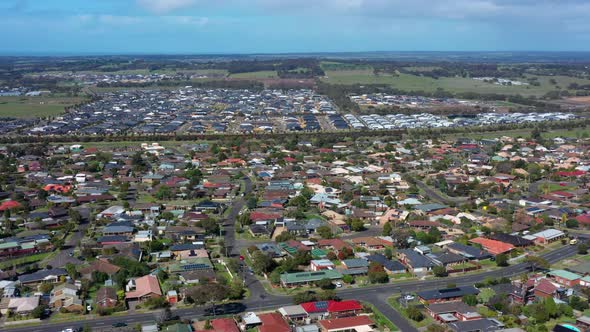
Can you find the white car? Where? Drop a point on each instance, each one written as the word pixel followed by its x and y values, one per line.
pixel 409 297
pixel 338 285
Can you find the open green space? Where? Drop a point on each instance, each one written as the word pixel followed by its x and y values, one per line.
pixel 34 107
pixel 380 319
pixel 409 82
pixel 393 301
pixel 256 74
pixel 475 134
pixel 23 260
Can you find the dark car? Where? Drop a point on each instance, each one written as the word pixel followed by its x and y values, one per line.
pixel 120 324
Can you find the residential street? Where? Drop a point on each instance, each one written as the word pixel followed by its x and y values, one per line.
pixel 377 295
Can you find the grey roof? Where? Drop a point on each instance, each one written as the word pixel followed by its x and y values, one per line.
pixel 355 263
pixel 389 265
pixel 469 251
pixel 445 257
pixel 415 259
pixel 40 275
pixel 430 207
pixel 480 325
pixel 447 293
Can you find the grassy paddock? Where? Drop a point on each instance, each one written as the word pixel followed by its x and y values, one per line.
pixel 410 82
pixel 256 74
pixel 35 107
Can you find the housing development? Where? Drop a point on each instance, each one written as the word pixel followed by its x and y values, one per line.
pixel 294 194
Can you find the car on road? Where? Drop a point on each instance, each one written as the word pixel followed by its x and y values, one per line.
pixel 119 324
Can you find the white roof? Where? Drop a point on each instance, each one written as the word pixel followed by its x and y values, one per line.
pixel 251 318
pixel 549 234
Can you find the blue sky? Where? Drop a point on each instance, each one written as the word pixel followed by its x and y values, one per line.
pixel 271 26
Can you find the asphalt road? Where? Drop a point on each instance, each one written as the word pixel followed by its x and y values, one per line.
pixel 377 295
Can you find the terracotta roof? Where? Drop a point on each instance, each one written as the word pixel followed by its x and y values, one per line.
pixel 101 266
pixel 337 244
pixel 347 305
pixel 8 205
pixel 546 286
pixel 144 286
pixel 224 325
pixel 492 246
pixel 343 323
pixel 273 322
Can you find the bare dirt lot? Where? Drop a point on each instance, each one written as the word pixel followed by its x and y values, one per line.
pixel 579 100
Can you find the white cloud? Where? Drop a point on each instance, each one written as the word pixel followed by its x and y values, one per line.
pixel 165 6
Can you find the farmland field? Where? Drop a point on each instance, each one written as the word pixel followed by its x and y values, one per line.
pixel 409 82
pixel 33 107
pixel 256 74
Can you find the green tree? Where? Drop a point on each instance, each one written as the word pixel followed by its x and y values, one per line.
pixel 39 311
pixel 387 229
pixel 325 283
pixel 440 271
pixel 261 263
pixel 414 313
pixel 325 232
pixel 71 270
pixel 502 260
pixel 577 303
pixel 571 223
pixel 537 262
pixel 582 249
pixel 357 225
pixel 377 273
pixel 306 296
pixel 470 299
pixel 347 279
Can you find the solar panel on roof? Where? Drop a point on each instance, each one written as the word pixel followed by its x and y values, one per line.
pixel 321 305
pixel 189 267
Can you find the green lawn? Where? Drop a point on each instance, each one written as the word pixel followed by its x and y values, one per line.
pixel 34 107
pixel 409 82
pixel 380 319
pixel 256 74
pixel 23 260
pixel 423 323
pixel 572 133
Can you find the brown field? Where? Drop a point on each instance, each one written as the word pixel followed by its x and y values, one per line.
pixel 579 100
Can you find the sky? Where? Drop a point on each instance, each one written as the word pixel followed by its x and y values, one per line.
pixel 291 26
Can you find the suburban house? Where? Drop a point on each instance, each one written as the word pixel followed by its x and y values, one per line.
pixel 106 297
pixel 65 296
pixel 356 323
pixel 143 288
pixel 492 246
pixel 446 294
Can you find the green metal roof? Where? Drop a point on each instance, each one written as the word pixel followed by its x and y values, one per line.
pixel 318 253
pixel 7 245
pixel 302 277
pixel 565 274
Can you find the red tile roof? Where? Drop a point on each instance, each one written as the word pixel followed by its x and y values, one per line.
pixel 273 322
pixel 9 205
pixel 347 305
pixel 145 285
pixel 224 325
pixel 583 219
pixel 570 174
pixel 331 306
pixel 344 323
pixel 337 244
pixel 492 246
pixel 545 286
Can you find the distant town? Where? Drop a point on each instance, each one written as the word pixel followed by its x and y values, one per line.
pixel 293 194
